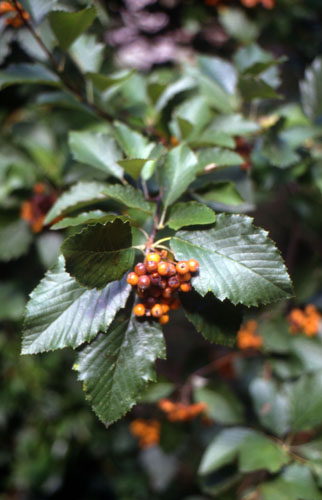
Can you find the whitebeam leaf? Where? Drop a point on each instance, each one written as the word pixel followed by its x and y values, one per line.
pixel 117 367
pixel 61 313
pixel 237 261
pixel 78 196
pixel 179 170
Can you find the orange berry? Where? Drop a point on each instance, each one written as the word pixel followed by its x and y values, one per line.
pixel 154 257
pixel 163 284
pixel 175 304
pixel 166 301
pixel 184 277
pixel 163 268
pixel 144 282
pixel 140 269
pixel 139 310
pixel 164 319
pixel 165 308
pixel 185 287
pixel 182 267
pixel 132 279
pixel 164 254
pixel 157 311
pixel 193 265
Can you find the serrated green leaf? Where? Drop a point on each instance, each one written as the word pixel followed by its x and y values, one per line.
pixel 171 90
pixel 78 196
pixel 103 82
pixel 220 71
pixel 116 367
pixel 220 192
pixel 311 90
pixel 129 196
pixel 96 149
pixel 295 482
pixel 179 170
pixel 234 124
pixel 84 218
pixel 216 321
pixel 61 313
pixel 68 26
pixel 255 88
pixel 192 115
pixel 12 301
pixel 253 60
pixel 260 452
pixel 308 351
pixel 157 391
pixel 223 449
pixel 28 73
pixel 88 53
pixel 135 166
pixel 238 25
pixel 222 405
pixel 189 214
pixel 218 157
pixel 134 144
pixel 215 95
pixel 212 138
pixel 237 261
pixel 99 254
pixel 15 239
pixel 306 403
pixel 271 405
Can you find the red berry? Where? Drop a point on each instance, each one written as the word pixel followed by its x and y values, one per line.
pixel 132 279
pixel 151 266
pixel 172 270
pixel 155 279
pixel 193 265
pixel 163 284
pixel 141 293
pixel 182 267
pixel 167 293
pixel 140 269
pixel 139 310
pixel 155 292
pixel 173 282
pixel 175 304
pixel 157 311
pixel 150 302
pixel 144 282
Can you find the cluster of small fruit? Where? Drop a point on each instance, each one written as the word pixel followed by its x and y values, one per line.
pixel 157 281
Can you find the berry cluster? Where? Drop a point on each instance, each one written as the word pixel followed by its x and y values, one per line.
pixel 158 280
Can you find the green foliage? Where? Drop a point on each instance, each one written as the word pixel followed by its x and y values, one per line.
pixel 72 315
pixel 123 162
pixel 100 253
pixel 68 26
pixel 234 247
pixel 116 368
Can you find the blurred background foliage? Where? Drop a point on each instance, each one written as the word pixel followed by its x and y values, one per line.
pixel 52 444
